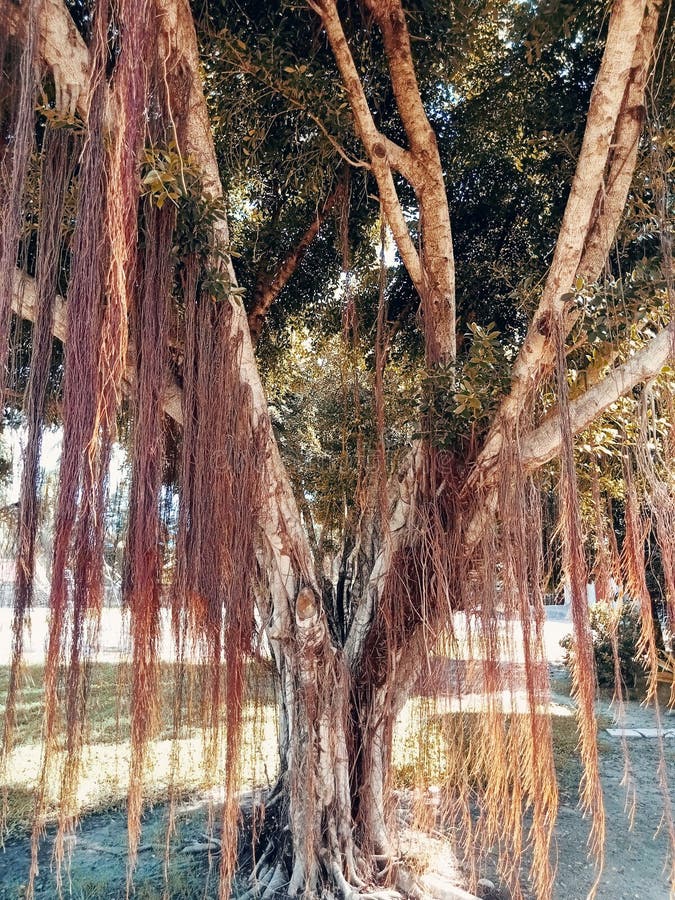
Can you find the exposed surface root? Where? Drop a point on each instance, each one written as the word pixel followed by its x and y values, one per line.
pixel 276 870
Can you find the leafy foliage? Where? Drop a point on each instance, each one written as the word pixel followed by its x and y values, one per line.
pixel 622 618
pixel 458 403
pixel 168 176
pixel 505 87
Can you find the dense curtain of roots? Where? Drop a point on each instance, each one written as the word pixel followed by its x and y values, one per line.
pixel 114 290
pixel 143 564
pixel 212 600
pixel 503 762
pixel 76 577
pixel 634 566
pixel 58 157
pixel 143 292
pixel 469 633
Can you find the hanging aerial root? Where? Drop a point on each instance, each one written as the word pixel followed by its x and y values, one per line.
pixel 58 158
pixel 78 544
pixel 510 747
pixel 633 559
pixel 583 662
pixel 17 145
pixel 137 85
pixel 143 560
pixel 608 580
pixel 212 590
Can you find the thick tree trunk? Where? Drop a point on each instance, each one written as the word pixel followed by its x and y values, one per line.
pixel 376 718
pixel 314 796
pixel 332 797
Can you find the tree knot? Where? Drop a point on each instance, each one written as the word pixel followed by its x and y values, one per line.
pixel 544 324
pixel 305 604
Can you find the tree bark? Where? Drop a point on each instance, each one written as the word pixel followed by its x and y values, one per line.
pixel 432 268
pixel 438 295
pixel 591 215
pixel 61 48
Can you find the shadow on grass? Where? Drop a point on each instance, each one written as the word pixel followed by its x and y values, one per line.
pixel 108 707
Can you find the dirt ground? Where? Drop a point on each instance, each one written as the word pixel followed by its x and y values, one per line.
pixel 636 859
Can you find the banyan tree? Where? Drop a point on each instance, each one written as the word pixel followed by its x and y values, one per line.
pixel 114 241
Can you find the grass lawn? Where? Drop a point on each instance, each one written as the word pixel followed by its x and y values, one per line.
pixel 107 752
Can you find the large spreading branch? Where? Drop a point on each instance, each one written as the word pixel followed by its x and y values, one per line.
pixel 597 198
pixel 431 268
pixel 24 305
pixel 611 201
pixel 544 443
pixel 427 179
pixel 382 153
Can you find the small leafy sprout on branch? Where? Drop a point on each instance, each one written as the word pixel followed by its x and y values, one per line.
pixel 166 175
pixel 458 401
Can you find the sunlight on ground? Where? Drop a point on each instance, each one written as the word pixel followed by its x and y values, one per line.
pixel 424 726
pixel 107 754
pixel 105 778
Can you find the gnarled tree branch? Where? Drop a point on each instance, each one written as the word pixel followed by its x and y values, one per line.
pixel 543 444
pixel 62 49
pixel 611 200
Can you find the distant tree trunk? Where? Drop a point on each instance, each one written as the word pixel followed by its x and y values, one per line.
pixel 271 284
